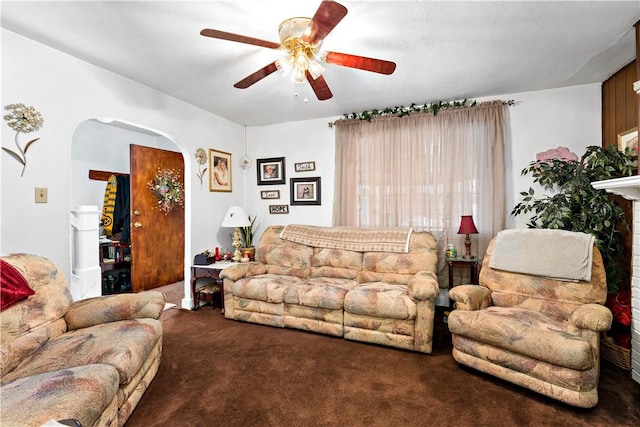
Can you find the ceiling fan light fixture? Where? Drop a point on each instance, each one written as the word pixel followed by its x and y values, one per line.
pixel 315 69
pixel 299 75
pixel 301 58
pixel 300 53
pixel 293 28
pixel 299 61
pixel 284 65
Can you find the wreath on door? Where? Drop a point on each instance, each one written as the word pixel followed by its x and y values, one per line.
pixel 168 189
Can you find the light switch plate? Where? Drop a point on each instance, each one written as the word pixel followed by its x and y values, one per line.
pixel 41 195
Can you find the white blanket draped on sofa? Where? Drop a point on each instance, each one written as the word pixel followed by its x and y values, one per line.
pixel 393 239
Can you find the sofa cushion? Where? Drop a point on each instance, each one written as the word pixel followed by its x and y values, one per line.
pixel 265 287
pixel 400 268
pixel 322 292
pixel 283 257
pixel 335 263
pixel 533 334
pixel 125 345
pixel 81 393
pixel 380 299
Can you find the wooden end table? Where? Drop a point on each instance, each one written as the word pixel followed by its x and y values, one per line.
pixel 473 264
pixel 212 271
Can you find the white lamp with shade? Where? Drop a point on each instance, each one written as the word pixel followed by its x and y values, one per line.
pixel 236 217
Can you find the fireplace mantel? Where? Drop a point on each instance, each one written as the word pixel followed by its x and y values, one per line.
pixel 627 187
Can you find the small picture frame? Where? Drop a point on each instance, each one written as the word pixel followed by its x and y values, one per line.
pixel 219 170
pixel 270 194
pixel 305 166
pixel 305 191
pixel 278 209
pixel 271 171
pixel 628 139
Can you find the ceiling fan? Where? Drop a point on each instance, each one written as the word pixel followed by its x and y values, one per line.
pixel 301 39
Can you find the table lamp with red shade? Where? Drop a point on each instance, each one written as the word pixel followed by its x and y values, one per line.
pixel 467 227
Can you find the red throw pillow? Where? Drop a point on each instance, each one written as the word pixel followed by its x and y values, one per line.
pixel 620 306
pixel 13 286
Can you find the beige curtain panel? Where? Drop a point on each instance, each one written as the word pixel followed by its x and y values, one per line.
pixel 424 171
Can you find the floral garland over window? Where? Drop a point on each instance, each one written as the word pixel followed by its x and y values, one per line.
pixel 168 189
pixel 401 111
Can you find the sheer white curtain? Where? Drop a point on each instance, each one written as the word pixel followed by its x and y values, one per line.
pixel 424 171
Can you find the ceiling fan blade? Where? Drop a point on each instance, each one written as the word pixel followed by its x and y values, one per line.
pixel 328 15
pixel 217 34
pixel 320 87
pixel 359 62
pixel 257 76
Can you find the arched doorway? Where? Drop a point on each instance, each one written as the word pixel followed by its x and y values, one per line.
pixel 103 144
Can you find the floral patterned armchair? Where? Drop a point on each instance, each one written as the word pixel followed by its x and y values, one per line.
pixel 539 332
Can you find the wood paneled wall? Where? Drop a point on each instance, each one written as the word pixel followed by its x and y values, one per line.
pixel 620 112
pixel 619 104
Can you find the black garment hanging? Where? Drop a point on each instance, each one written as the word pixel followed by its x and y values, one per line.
pixel 121 216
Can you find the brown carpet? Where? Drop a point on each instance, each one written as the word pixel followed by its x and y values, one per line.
pixel 216 371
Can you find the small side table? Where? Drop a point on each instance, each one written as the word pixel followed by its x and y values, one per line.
pixel 209 270
pixel 473 264
pixel 207 293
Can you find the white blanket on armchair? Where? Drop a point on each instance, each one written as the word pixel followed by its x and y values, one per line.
pixel 558 254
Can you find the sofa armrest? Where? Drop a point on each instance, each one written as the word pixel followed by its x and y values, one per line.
pixel 423 286
pixel 113 308
pixel 595 317
pixel 470 297
pixel 245 269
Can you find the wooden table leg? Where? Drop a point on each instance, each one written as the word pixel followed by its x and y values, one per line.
pixel 194 297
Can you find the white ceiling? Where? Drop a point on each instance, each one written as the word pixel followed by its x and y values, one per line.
pixel 443 50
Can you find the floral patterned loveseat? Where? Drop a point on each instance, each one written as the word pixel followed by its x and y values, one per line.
pixel 375 285
pixel 89 360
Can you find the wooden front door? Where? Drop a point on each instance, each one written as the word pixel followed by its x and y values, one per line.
pixel 157 239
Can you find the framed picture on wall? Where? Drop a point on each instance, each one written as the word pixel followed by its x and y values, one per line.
pixel 628 139
pixel 305 191
pixel 270 171
pixel 270 194
pixel 278 209
pixel 305 166
pixel 219 170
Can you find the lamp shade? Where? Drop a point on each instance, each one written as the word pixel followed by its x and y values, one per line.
pixel 235 217
pixel 467 226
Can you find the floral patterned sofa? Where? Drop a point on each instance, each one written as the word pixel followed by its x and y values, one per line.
pixel 89 360
pixel 536 326
pixel 376 285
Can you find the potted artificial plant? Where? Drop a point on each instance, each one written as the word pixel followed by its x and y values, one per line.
pixel 577 206
pixel 247 238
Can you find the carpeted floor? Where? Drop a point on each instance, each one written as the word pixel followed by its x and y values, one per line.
pixel 219 372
